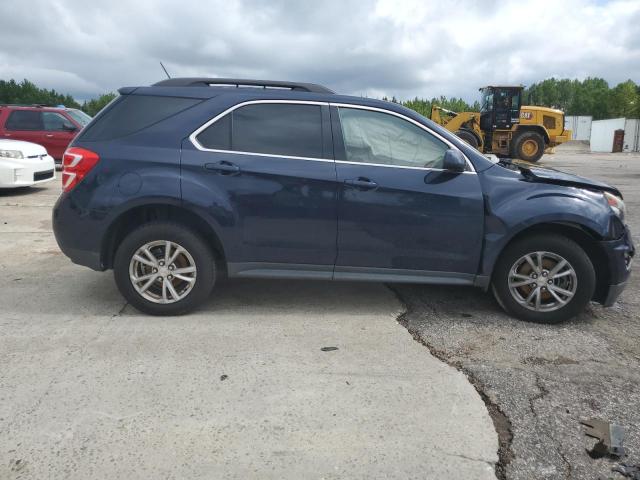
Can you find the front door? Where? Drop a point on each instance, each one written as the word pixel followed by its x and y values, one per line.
pixel 265 171
pixel 399 213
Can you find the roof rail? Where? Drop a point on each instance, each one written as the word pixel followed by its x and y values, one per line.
pixel 37 105
pixel 236 82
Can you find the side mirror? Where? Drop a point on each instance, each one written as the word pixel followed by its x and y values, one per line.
pixel 454 161
pixel 68 127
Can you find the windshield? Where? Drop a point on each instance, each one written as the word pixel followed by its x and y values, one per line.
pixel 79 116
pixel 487 100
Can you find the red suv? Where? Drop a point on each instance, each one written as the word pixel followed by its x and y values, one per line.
pixel 51 127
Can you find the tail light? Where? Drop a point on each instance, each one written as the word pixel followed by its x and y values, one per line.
pixel 76 164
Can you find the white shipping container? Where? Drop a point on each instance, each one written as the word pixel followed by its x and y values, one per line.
pixel 602 132
pixel 631 135
pixel 580 126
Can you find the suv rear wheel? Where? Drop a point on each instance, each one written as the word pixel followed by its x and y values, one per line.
pixel 164 268
pixel 544 279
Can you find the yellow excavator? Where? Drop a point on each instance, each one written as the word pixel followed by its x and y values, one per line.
pixel 506 128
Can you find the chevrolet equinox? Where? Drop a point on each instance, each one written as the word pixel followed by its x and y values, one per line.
pixel 177 184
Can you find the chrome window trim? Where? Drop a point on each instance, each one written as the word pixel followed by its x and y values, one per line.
pixel 429 169
pixel 195 143
pixel 197 132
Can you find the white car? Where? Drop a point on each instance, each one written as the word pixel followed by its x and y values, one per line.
pixel 23 164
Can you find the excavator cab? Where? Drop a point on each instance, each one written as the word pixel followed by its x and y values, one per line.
pixel 500 108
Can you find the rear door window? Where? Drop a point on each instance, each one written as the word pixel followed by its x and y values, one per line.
pixel 24 120
pixel 293 130
pixel 133 113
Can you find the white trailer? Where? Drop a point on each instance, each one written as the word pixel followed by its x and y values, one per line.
pixel 631 135
pixel 580 126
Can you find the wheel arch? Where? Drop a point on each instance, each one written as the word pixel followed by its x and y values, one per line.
pixel 585 237
pixel 135 216
pixel 532 128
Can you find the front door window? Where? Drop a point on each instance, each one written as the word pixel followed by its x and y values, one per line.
pixel 384 139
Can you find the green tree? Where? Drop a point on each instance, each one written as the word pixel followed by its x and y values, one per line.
pixel 92 107
pixel 625 99
pixel 27 93
pixel 591 96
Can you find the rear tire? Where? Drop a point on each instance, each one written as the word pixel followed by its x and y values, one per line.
pixel 515 280
pixel 528 146
pixel 468 137
pixel 178 282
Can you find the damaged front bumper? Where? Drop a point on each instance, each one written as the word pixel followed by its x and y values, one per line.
pixel 619 255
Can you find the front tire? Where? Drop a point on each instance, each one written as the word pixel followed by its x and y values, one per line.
pixel 544 279
pixel 163 268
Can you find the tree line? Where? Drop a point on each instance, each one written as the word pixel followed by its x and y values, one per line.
pixel 27 93
pixel 591 96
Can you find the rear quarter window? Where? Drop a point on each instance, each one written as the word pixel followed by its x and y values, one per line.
pixel 132 113
pixel 24 120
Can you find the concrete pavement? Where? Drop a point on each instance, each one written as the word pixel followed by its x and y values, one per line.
pixel 90 388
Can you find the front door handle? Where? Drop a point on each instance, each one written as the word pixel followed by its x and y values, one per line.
pixel 49 135
pixel 224 168
pixel 361 183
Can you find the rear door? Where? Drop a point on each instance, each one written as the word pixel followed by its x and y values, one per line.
pixel 264 171
pixel 24 125
pixel 58 133
pixel 399 213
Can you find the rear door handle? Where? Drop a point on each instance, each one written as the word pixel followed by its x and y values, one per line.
pixel 361 183
pixel 224 168
pixel 49 135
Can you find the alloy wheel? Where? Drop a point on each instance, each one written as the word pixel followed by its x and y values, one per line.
pixel 542 281
pixel 162 271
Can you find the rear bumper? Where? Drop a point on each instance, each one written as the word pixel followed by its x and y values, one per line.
pixel 619 255
pixel 77 234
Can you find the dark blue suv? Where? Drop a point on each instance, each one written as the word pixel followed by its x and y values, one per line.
pixel 177 184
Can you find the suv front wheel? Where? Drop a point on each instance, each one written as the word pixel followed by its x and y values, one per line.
pixel 544 279
pixel 163 268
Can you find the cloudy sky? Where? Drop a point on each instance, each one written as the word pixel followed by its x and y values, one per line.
pixel 364 47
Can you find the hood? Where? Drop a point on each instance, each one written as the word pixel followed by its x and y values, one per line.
pixel 556 177
pixel 549 175
pixel 28 149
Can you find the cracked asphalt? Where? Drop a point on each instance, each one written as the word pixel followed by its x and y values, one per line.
pixel 545 379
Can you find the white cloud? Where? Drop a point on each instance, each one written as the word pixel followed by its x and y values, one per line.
pixel 402 48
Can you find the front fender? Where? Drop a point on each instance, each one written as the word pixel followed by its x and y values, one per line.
pixel 511 211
